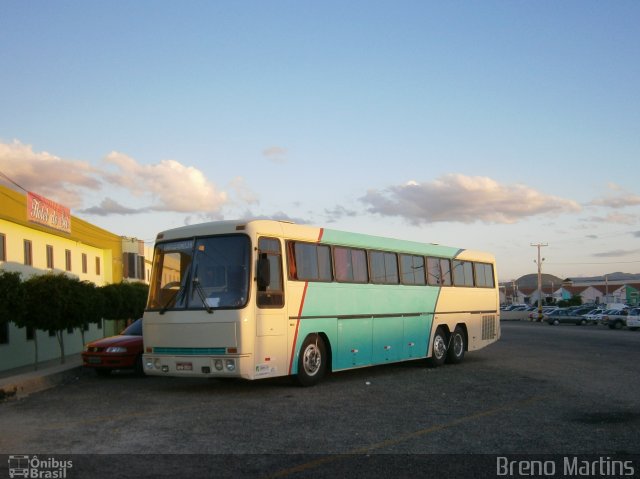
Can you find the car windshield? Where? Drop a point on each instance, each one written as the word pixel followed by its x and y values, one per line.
pixel 202 273
pixel 134 329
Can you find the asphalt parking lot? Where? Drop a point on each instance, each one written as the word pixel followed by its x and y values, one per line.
pixel 539 390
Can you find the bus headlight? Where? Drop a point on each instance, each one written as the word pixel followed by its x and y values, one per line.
pixel 231 365
pixel 218 364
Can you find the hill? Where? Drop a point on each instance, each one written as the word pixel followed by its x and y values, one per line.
pixel 531 280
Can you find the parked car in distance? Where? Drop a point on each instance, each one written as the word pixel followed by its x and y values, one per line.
pixel 563 316
pixel 582 310
pixel 614 318
pixel 533 315
pixel 123 351
pixel 594 315
pixel 633 320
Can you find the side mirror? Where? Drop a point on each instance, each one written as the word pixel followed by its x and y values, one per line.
pixel 264 272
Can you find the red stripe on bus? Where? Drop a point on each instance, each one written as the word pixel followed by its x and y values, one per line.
pixel 295 336
pixel 320 235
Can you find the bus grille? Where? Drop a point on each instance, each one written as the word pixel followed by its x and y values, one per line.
pixel 190 351
pixel 489 327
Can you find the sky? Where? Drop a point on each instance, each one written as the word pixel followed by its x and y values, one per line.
pixel 488 125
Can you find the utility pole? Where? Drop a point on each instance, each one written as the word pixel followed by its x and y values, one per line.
pixel 539 263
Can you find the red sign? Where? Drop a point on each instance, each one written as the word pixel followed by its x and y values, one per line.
pixel 49 213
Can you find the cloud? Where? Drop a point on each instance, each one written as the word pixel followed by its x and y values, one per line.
pixel 338 213
pixel 167 185
pixel 242 191
pixel 620 199
pixel 172 185
pixel 279 215
pixel 465 199
pixel 616 218
pixel 109 206
pixel 617 202
pixel 275 154
pixel 59 179
pixel 636 234
pixel 616 253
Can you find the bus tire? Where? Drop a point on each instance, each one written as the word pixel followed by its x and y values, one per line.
pixel 439 349
pixel 312 362
pixel 457 346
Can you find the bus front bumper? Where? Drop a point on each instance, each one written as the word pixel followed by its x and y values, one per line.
pixel 190 366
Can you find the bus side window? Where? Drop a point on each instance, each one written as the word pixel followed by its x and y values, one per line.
pixel 271 293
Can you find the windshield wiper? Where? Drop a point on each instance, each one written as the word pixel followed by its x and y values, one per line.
pixel 172 299
pixel 175 298
pixel 203 297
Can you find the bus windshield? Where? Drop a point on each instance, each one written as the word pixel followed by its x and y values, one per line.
pixel 202 273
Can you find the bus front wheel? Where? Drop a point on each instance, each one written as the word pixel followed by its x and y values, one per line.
pixel 439 349
pixel 312 362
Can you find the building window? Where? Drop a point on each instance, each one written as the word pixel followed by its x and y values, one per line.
pixel 49 256
pixel 28 253
pixel 67 259
pixel 3 247
pixel 97 265
pixel 133 265
pixel 84 263
pixel 4 333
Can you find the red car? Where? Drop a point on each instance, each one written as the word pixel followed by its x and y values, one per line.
pixel 123 351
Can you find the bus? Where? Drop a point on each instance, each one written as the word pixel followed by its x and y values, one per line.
pixel 265 298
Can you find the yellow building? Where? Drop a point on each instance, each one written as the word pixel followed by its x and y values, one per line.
pixel 77 248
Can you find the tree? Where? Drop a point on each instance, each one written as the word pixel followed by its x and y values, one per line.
pixel 125 300
pixel 51 305
pixel 12 298
pixel 87 305
pixel 575 300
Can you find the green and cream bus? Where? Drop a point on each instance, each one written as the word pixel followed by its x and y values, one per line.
pixel 262 298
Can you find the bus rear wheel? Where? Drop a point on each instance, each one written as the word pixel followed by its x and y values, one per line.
pixel 439 349
pixel 457 346
pixel 312 363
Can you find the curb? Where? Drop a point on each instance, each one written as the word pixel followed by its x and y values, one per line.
pixel 21 386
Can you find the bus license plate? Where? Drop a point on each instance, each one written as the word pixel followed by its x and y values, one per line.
pixel 184 366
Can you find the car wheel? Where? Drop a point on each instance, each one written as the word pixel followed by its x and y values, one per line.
pixel 583 322
pixel 556 322
pixel 618 325
pixel 312 363
pixel 457 346
pixel 439 349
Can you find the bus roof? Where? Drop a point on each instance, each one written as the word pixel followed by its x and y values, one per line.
pixel 303 232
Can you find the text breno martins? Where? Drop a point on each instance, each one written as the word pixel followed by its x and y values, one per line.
pixel 568 466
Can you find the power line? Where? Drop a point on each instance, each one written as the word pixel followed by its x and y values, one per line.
pixel 12 182
pixel 608 262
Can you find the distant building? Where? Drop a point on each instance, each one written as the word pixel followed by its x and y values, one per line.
pixel 54 241
pixel 593 290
